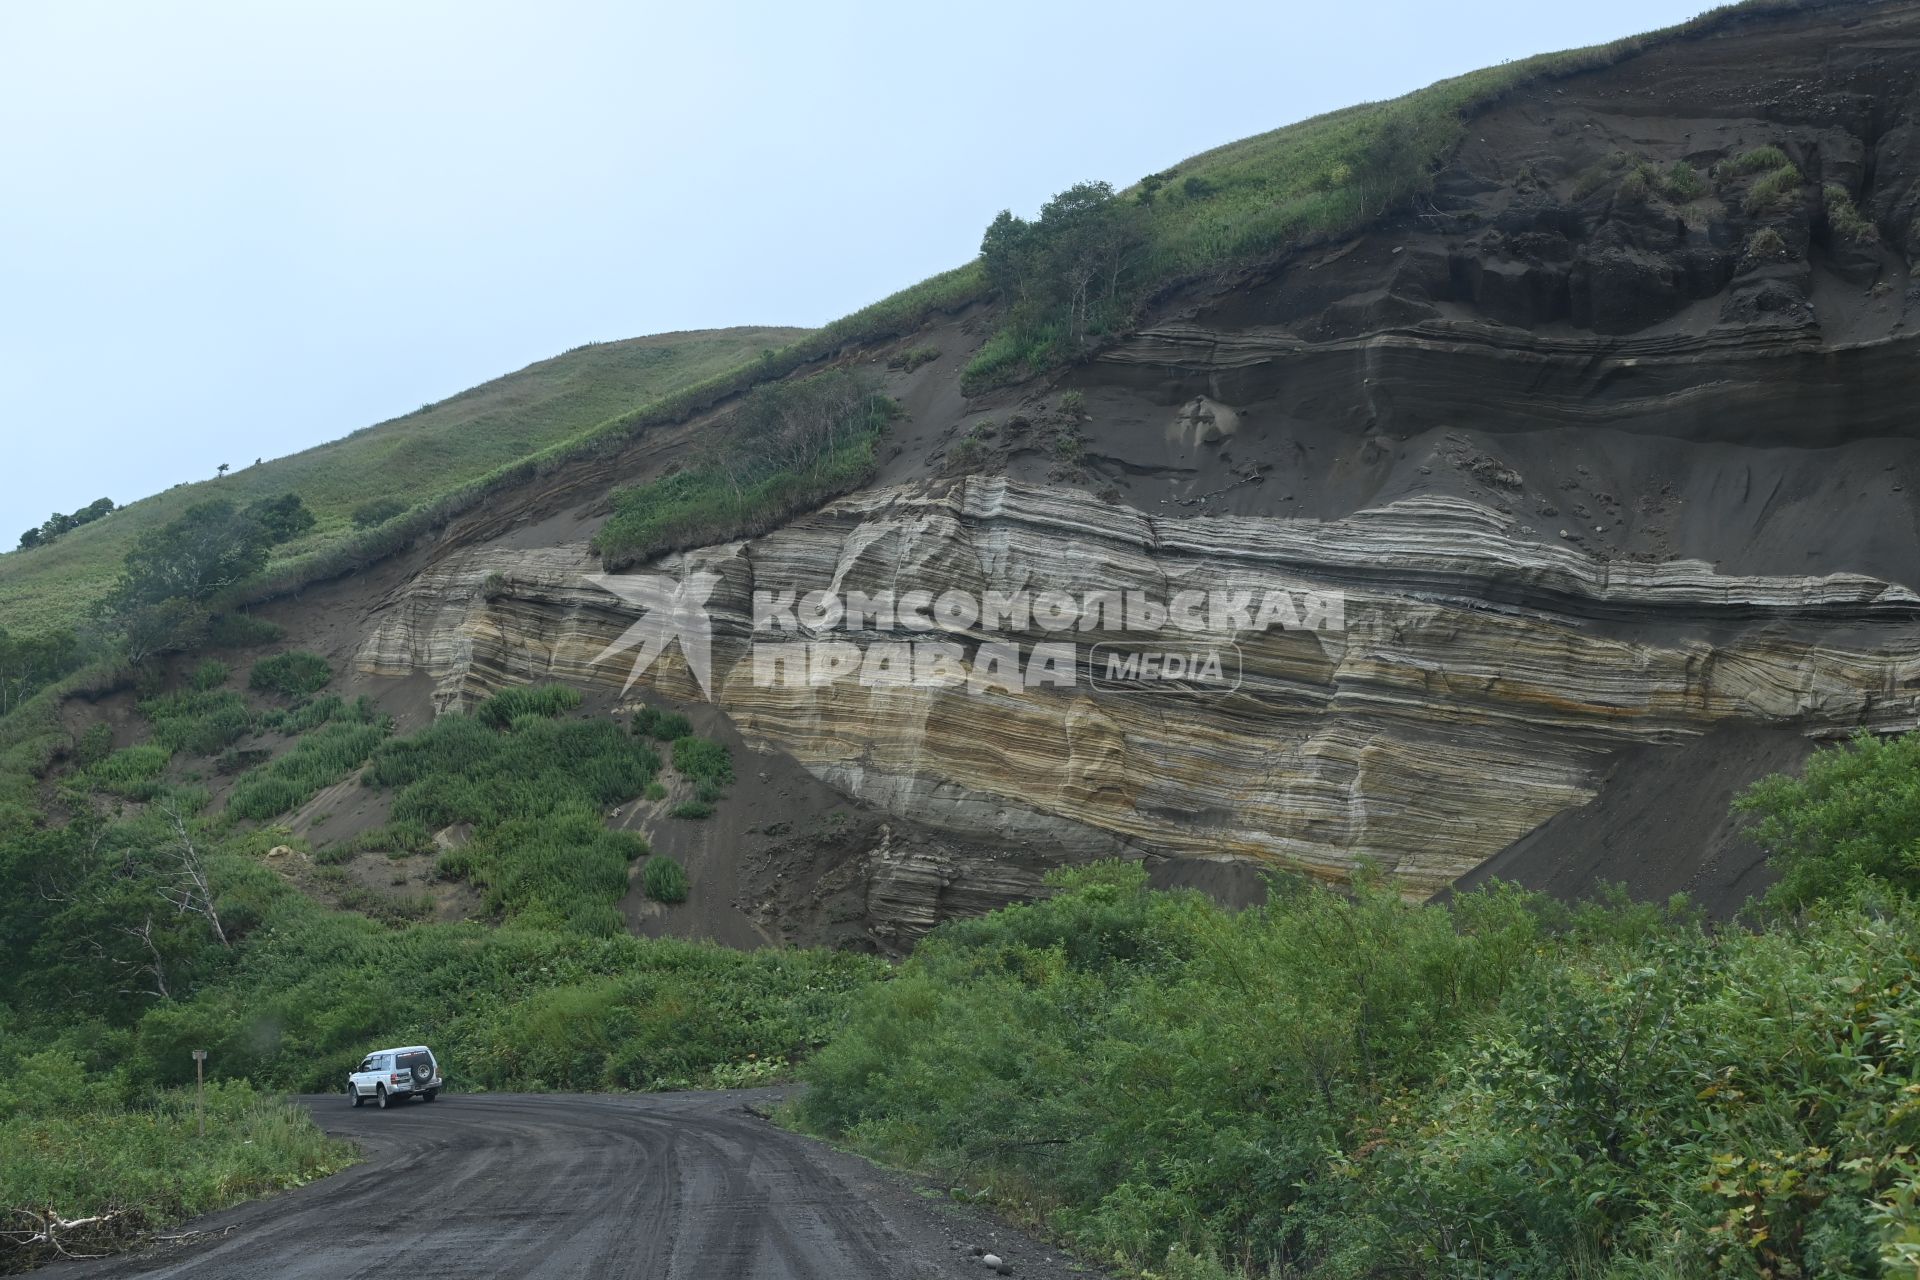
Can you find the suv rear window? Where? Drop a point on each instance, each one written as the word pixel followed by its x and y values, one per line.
pixel 408 1061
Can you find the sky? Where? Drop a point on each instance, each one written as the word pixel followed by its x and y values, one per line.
pixel 232 230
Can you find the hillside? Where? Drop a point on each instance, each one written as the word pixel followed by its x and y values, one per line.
pixel 1461 526
pixel 1604 440
pixel 411 460
pixel 1591 410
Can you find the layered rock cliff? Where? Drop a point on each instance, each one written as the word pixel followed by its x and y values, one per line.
pixel 1478 686
pixel 1607 449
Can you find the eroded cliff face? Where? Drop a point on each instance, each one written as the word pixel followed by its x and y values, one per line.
pixel 1478 685
pixel 1610 471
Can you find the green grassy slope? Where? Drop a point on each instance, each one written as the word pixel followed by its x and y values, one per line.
pixel 414 458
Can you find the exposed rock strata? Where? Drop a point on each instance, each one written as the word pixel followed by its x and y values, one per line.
pixel 1480 680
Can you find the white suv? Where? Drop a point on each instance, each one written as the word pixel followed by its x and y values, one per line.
pixel 391 1076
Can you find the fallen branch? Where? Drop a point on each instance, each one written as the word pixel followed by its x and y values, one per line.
pixel 50 1235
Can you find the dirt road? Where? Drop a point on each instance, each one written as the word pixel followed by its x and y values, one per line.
pixel 666 1185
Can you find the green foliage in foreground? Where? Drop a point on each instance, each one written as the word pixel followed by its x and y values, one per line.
pixel 129 937
pixel 1362 1087
pixel 70 1142
pixel 1851 820
pixel 304 991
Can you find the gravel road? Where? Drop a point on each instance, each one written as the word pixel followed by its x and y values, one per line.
pixel 692 1185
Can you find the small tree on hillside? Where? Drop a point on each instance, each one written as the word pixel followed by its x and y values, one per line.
pixel 284 518
pixel 1072 266
pixel 174 573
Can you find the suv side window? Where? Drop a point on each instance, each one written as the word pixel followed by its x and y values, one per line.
pixel 366 1064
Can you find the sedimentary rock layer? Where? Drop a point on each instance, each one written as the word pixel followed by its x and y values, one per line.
pixel 1479 680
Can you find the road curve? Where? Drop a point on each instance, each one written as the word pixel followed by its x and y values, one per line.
pixel 662 1186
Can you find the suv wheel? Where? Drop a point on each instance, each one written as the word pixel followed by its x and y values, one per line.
pixel 380 1091
pixel 430 1095
pixel 354 1094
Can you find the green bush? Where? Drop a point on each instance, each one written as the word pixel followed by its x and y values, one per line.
pixel 311 715
pixel 1597 177
pixel 1764 159
pixel 1681 183
pixel 1766 245
pixel 692 810
pixel 702 760
pixel 664 879
pixel 1356 1086
pixel 368 515
pixel 1851 820
pixel 913 358
pixel 210 674
pixel 234 761
pixel 1678 1104
pixel 294 674
pixel 662 726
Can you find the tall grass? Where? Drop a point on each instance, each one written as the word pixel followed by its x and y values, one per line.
pixel 294 674
pixel 132 772
pixel 72 1146
pixel 320 759
pixel 198 722
pixel 503 708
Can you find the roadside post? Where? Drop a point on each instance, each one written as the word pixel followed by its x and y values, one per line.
pixel 200 1088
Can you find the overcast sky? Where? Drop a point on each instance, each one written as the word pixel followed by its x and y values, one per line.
pixel 239 229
